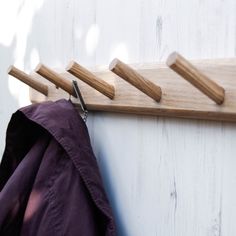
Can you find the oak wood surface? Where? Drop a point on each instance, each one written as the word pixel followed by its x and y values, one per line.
pixel 179 98
pixel 85 75
pixel 187 71
pixel 134 78
pixel 55 78
pixel 27 79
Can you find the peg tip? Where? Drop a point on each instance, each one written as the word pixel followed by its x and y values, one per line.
pixel 172 58
pixel 10 69
pixel 113 64
pixel 70 65
pixel 38 67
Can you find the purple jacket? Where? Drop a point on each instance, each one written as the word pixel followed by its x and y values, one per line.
pixel 49 179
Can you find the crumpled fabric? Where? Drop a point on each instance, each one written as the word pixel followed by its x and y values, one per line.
pixel 49 179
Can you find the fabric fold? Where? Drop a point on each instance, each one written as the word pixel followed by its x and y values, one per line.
pixel 66 195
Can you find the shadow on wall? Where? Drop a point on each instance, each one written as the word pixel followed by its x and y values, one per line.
pixel 9 103
pixel 16 48
pixel 54 37
pixel 42 34
pixel 13 25
pixel 54 32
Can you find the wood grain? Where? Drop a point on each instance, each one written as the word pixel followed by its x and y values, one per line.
pixel 89 78
pixel 133 77
pixel 189 72
pixel 179 99
pixel 55 78
pixel 27 79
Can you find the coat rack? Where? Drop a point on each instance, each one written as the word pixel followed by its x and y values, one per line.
pixel 203 89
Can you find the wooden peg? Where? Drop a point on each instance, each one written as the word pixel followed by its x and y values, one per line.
pixel 134 78
pixel 27 79
pixel 189 72
pixel 92 80
pixel 55 78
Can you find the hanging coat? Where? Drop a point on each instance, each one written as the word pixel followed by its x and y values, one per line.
pixel 49 179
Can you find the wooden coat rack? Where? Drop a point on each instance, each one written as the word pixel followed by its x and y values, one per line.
pixel 203 89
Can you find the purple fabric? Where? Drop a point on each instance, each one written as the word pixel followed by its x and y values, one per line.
pixel 49 179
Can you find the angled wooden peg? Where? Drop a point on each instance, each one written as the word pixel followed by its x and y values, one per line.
pixel 27 79
pixel 134 78
pixel 189 72
pixel 55 78
pixel 90 79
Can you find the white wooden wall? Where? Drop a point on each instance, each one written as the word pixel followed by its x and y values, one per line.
pixel 165 177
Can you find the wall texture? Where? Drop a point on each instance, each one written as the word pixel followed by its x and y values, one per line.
pixel 165 177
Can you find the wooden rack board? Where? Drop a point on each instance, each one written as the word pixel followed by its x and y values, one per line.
pixel 179 97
